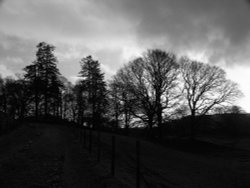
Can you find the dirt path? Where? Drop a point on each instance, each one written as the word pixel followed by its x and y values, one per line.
pixel 40 155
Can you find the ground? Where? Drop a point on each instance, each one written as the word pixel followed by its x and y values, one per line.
pixel 43 155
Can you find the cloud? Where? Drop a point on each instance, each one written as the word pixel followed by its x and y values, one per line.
pixel 114 31
pixel 5 72
pixel 220 28
pixel 240 74
pixel 15 52
pixel 69 21
pixel 76 28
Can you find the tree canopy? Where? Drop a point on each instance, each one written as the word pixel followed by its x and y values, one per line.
pixel 44 81
pixel 93 84
pixel 206 87
pixel 149 90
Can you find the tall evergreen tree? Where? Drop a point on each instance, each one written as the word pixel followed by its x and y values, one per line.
pixel 34 83
pixel 95 87
pixel 43 76
pixel 49 73
pixel 81 101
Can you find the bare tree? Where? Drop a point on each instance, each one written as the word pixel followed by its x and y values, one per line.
pixel 135 92
pixel 115 104
pixel 162 75
pixel 69 100
pixel 122 101
pixel 150 83
pixel 205 88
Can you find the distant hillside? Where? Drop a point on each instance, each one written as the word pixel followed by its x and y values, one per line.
pixel 218 124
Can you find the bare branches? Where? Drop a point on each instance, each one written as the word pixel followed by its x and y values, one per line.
pixel 206 87
pixel 156 86
pixel 151 82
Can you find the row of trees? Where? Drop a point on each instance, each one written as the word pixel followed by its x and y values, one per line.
pixel 38 91
pixel 13 97
pixel 149 90
pixel 42 91
pixel 156 87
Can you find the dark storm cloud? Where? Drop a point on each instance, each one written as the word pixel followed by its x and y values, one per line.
pixel 220 28
pixel 57 21
pixel 115 29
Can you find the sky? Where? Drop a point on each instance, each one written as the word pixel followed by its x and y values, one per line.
pixel 116 31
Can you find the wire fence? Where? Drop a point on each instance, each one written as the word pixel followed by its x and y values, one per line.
pixel 143 164
pixel 108 150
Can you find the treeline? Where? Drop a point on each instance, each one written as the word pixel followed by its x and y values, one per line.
pixel 148 91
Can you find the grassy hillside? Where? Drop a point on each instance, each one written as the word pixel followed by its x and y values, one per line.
pixel 229 125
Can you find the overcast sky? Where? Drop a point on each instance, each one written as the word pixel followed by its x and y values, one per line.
pixel 115 31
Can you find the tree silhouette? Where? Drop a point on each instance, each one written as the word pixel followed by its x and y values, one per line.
pixel 150 82
pixel 135 92
pixel 68 101
pixel 43 77
pixel 120 100
pixel 3 102
pixel 34 82
pixel 48 72
pixel 81 101
pixel 114 102
pixel 94 85
pixel 162 75
pixel 205 88
pixel 13 97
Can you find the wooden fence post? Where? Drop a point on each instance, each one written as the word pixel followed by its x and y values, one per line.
pixel 113 157
pixel 138 165
pixel 84 136
pixel 80 134
pixel 90 140
pixel 98 146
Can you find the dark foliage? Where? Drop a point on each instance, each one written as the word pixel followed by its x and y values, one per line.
pixel 93 87
pixel 44 81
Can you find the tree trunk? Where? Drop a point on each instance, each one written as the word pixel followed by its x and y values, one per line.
pixel 36 104
pixel 116 116
pixel 45 103
pixel 193 126
pixel 126 121
pixel 159 114
pixel 150 127
pixel 5 103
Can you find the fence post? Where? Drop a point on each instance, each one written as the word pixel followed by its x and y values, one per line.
pixel 84 136
pixel 90 140
pixel 99 146
pixel 138 165
pixel 113 157
pixel 80 134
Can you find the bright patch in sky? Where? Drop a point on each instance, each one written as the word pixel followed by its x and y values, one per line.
pixel 5 72
pixel 241 75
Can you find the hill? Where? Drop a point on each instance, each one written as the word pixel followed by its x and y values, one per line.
pixel 49 155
